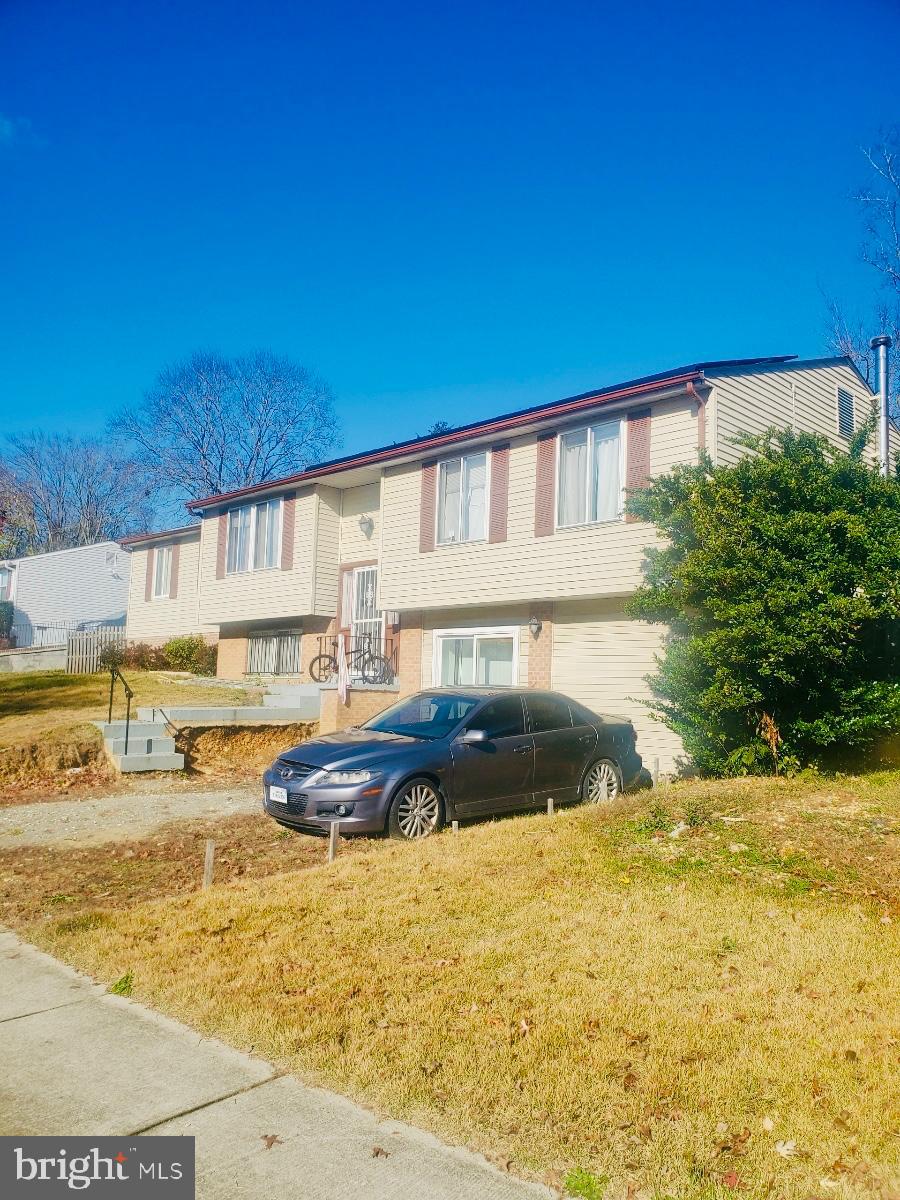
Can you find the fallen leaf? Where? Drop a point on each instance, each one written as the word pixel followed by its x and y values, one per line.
pixel 271 1139
pixel 379 1152
pixel 786 1149
pixel 768 1124
pixel 731 1179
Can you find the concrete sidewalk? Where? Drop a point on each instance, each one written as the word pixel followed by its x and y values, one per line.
pixel 77 1060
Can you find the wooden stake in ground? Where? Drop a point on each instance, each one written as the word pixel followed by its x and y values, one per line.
pixel 550 806
pixel 455 826
pixel 656 772
pixel 208 862
pixel 333 834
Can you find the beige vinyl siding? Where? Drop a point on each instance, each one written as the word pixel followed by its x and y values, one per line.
pixel 805 397
pixel 600 657
pixel 359 502
pixel 260 595
pixel 326 552
pixel 161 618
pixel 588 560
pixel 481 618
pixel 674 434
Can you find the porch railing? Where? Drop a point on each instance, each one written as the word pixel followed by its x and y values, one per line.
pixel 368 657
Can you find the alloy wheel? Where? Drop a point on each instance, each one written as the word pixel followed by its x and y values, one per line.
pixel 418 811
pixel 601 773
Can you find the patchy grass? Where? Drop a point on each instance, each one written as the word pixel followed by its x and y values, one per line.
pixel 567 995
pixel 45 728
pixel 49 882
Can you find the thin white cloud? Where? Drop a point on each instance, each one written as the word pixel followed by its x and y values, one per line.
pixel 15 131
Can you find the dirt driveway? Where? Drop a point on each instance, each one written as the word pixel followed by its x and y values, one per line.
pixel 111 818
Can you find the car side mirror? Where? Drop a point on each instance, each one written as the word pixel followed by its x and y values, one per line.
pixel 474 737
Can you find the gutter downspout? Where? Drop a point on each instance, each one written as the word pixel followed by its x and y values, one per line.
pixel 882 345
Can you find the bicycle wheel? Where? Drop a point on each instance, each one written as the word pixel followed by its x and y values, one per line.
pixel 377 669
pixel 323 668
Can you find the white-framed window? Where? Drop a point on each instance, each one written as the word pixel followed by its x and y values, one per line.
pixel 162 572
pixel 463 657
pixel 254 537
pixel 590 474
pixel 462 499
pixel 845 415
pixel 6 583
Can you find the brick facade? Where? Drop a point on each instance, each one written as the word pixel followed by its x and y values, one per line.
pixel 232 660
pixel 409 674
pixel 540 649
pixel 361 704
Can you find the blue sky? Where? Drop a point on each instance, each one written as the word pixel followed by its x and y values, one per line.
pixel 448 211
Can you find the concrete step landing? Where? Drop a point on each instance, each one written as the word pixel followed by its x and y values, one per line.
pixel 150 746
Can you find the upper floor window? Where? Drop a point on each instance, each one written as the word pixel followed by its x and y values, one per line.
pixel 845 413
pixel 254 537
pixel 162 571
pixel 590 474
pixel 462 499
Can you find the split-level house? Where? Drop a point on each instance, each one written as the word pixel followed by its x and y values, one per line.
pixel 496 553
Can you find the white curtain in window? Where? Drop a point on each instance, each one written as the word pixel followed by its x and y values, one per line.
pixel 573 448
pixel 457 661
pixel 606 482
pixel 495 661
pixel 262 528
pixel 474 500
pixel 163 571
pixel 238 558
pixel 448 501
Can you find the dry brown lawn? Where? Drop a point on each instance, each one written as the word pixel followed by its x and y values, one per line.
pixel 693 995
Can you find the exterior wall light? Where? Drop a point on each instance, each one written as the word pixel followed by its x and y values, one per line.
pixel 535 625
pixel 367 525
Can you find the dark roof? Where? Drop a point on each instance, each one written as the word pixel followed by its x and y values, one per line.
pixel 498 425
pixel 136 538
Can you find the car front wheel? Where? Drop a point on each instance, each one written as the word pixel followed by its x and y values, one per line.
pixel 603 773
pixel 417 811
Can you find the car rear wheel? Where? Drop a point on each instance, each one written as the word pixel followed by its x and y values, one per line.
pixel 604 772
pixel 417 811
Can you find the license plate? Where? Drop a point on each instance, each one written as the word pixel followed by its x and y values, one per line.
pixel 278 794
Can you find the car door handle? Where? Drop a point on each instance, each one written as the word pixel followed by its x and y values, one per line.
pixel 522 750
pixel 586 739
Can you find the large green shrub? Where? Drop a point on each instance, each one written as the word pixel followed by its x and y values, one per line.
pixel 7 612
pixel 781 584
pixel 191 653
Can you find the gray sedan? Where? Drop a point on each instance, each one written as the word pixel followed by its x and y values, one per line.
pixel 451 753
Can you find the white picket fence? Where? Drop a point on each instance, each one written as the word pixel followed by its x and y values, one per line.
pixel 84 647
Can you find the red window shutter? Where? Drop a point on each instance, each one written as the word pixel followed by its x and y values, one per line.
pixel 173 572
pixel 545 485
pixel 221 545
pixel 637 473
pixel 148 581
pixel 426 507
pixel 288 524
pixel 499 493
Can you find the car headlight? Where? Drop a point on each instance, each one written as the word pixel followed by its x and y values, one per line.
pixel 339 778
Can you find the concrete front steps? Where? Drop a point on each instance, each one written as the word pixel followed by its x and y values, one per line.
pixel 150 746
pixel 283 704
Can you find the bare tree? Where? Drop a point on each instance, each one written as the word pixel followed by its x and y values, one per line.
pixel 879 202
pixel 65 491
pixel 213 424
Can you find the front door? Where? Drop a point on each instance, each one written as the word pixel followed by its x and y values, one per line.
pixel 366 623
pixel 497 774
pixel 561 748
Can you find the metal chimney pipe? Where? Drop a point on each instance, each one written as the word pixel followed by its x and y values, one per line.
pixel 882 345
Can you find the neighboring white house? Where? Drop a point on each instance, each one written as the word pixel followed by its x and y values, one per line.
pixel 65 590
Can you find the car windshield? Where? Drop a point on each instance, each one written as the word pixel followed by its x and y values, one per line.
pixel 430 716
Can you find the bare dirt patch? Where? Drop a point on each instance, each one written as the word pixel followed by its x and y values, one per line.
pixel 227 749
pixel 68 883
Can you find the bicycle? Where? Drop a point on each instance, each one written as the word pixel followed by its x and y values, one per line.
pixel 369 664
